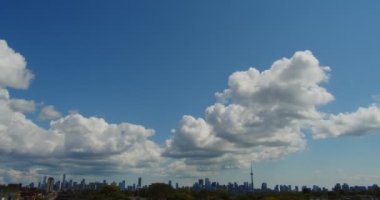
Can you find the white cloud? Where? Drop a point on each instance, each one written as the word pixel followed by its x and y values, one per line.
pixel 180 169
pixel 20 136
pixel 74 143
pixel 49 113
pixel 95 136
pixel 361 122
pixel 18 176
pixel 4 94
pixel 13 68
pixel 21 105
pixel 259 116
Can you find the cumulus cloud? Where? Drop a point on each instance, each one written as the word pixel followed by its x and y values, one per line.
pixel 94 136
pixel 75 144
pixel 18 176
pixel 22 105
pixel 13 68
pixel 259 116
pixel 49 113
pixel 180 169
pixel 20 136
pixel 361 122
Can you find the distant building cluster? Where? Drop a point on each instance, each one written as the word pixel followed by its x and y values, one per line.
pixel 50 185
pixel 206 184
pixel 347 188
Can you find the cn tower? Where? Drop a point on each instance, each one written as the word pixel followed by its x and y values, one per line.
pixel 251 177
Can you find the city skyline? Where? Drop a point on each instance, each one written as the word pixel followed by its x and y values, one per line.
pixel 50 184
pixel 69 189
pixel 185 90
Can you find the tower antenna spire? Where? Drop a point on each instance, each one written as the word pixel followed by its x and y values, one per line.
pixel 252 189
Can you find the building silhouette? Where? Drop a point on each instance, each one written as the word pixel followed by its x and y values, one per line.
pixel 139 183
pixel 252 188
pixel 63 182
pixel 50 184
pixel 264 187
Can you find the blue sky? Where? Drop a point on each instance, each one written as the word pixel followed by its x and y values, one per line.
pixel 150 62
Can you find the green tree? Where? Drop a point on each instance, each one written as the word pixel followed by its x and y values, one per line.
pixel 109 192
pixel 160 191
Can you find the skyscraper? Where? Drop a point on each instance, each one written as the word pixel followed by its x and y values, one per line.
pixel 200 183
pixel 50 184
pixel 122 185
pixel 83 183
pixel 264 187
pixel 207 183
pixel 139 183
pixel 44 182
pixel 63 184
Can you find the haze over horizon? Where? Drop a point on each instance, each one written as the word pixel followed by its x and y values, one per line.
pixel 184 90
